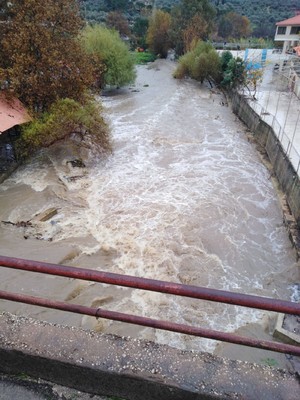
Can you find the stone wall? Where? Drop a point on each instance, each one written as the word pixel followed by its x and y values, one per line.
pixel 264 134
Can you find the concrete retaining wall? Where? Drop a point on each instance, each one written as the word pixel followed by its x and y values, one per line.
pixel 265 136
pixel 130 368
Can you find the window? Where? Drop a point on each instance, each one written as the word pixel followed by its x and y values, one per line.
pixel 295 30
pixel 281 30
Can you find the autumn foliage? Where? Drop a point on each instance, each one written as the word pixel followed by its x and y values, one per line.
pixel 116 20
pixel 196 29
pixel 158 33
pixel 46 61
pixel 234 25
pixel 44 65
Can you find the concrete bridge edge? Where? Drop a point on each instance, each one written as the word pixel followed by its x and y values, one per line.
pixel 131 368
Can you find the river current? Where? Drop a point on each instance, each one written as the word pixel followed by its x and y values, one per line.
pixel 184 198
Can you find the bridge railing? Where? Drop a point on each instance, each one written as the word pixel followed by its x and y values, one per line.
pixel 171 288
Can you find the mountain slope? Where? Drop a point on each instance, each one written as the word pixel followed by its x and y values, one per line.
pixel 263 14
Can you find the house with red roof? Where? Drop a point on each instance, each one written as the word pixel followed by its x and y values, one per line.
pixel 12 115
pixel 288 32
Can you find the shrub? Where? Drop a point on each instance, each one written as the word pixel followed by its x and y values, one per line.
pixel 106 46
pixel 203 62
pixel 144 57
pixel 64 119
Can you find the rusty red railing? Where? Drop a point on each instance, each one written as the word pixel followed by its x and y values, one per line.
pixel 200 293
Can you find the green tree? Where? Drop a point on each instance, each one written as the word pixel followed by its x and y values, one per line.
pixel 184 14
pixel 202 7
pixel 158 33
pixel 114 5
pixel 65 117
pixel 224 27
pixel 139 30
pixel 43 58
pixel 233 71
pixel 202 63
pixel 106 46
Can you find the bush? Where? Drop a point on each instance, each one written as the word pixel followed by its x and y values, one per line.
pixel 107 47
pixel 144 57
pixel 185 65
pixel 234 74
pixel 65 118
pixel 201 63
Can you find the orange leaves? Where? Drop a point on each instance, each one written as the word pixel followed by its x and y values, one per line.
pixel 45 59
pixel 196 29
pixel 158 33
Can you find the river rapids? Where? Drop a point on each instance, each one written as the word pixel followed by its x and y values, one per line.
pixel 184 198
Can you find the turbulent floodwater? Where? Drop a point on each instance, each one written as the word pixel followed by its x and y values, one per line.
pixel 183 198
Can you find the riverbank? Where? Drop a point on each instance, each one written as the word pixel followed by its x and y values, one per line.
pixel 184 198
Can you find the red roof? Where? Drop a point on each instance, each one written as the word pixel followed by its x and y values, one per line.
pixel 12 113
pixel 291 21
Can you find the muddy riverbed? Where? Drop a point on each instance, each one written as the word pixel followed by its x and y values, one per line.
pixel 184 198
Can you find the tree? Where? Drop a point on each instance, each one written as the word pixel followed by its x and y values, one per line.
pixel 202 7
pixel 182 17
pixel 233 71
pixel 5 15
pixel 237 74
pixel 4 10
pixel 106 46
pixel 195 30
pixel 44 65
pixel 116 20
pixel 44 60
pixel 114 5
pixel 158 33
pixel 139 30
pixel 234 25
pixel 202 63
pixel 65 118
pixel 253 78
pixel 224 27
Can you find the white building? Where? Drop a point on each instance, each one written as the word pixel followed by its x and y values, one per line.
pixel 288 32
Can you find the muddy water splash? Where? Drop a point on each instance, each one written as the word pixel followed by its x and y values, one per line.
pixel 184 198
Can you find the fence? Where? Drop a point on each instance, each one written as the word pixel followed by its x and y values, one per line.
pixel 287 143
pixel 156 286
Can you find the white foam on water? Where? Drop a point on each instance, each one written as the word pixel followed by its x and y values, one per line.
pixel 183 198
pixel 170 193
pixel 295 296
pixel 28 175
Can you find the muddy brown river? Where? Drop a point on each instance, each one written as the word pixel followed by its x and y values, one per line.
pixel 184 198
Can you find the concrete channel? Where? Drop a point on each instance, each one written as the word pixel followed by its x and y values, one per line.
pixel 107 365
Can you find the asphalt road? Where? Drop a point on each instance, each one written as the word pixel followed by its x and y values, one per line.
pixel 24 388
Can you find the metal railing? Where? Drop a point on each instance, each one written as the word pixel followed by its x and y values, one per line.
pixel 194 292
pixel 287 144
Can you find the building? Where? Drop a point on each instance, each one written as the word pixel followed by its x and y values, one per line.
pixel 12 114
pixel 288 32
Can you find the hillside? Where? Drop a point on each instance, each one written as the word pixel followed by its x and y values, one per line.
pixel 263 14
